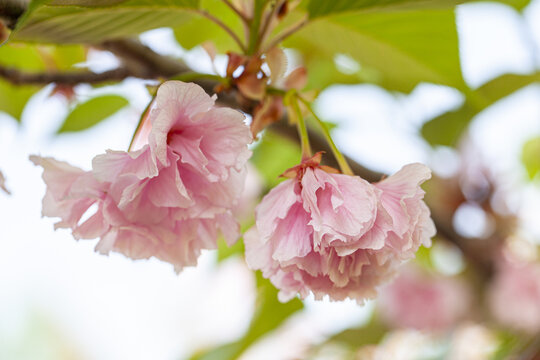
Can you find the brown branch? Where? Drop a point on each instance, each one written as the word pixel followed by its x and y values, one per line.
pixel 18 77
pixel 142 61
pixel 10 11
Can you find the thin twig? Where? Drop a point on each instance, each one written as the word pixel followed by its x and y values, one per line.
pixel 285 34
pixel 242 16
pixel 227 29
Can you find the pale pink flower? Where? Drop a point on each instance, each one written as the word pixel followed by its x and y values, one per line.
pixel 338 235
pixel 169 198
pixel 514 295
pixel 423 301
pixel 3 183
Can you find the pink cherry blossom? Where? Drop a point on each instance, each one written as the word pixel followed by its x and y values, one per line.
pixel 171 196
pixel 514 295
pixel 338 235
pixel 423 301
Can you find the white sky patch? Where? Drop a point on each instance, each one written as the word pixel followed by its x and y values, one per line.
pixel 493 41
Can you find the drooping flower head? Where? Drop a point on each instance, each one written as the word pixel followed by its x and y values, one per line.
pixel 423 301
pixel 171 196
pixel 337 235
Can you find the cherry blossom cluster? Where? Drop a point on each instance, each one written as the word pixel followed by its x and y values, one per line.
pixel 171 196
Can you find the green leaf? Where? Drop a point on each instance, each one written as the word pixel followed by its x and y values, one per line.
pixel 318 8
pixel 400 49
pixel 516 4
pixel 51 22
pixel 197 29
pixel 355 338
pixel 530 157
pixel 269 315
pixel 504 85
pixel 66 56
pixel 446 129
pixel 273 155
pixel 91 112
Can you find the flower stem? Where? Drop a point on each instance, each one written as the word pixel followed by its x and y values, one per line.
pixel 343 165
pixel 258 10
pixel 302 130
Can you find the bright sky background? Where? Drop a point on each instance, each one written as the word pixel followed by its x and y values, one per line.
pixel 59 297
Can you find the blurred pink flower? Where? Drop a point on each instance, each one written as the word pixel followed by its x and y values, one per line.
pixel 335 234
pixel 424 302
pixel 514 295
pixel 169 198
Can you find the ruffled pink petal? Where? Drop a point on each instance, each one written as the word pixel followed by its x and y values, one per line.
pixel 292 237
pixel 167 189
pixel 109 166
pixel 274 207
pixel 224 143
pixel 57 175
pixel 405 184
pixel 342 207
pixel 176 105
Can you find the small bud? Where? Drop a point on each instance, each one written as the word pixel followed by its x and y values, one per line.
pixel 267 112
pixel 297 79
pixel 277 62
pixel 251 86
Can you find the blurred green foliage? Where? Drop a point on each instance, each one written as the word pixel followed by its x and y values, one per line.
pixel 530 157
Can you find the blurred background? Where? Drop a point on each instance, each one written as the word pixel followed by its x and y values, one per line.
pixel 476 296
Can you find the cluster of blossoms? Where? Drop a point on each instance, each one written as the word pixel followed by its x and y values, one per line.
pixel 338 235
pixel 167 199
pixel 318 231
